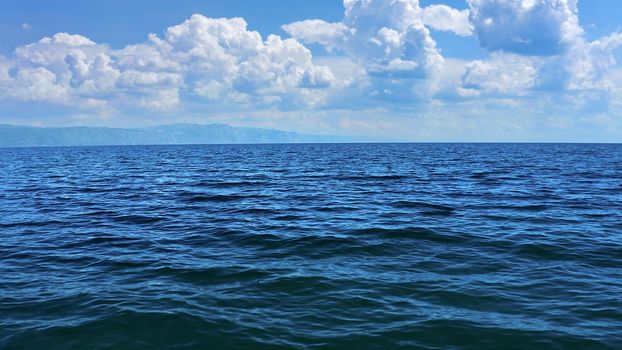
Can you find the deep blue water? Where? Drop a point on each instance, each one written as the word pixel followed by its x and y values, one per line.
pixel 423 246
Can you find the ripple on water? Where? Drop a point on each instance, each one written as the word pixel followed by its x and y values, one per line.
pixel 423 246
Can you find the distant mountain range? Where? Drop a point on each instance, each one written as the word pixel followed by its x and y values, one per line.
pixel 25 136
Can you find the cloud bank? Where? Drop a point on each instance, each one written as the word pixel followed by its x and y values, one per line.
pixel 203 58
pixel 381 56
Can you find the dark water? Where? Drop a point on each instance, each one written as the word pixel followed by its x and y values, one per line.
pixel 312 247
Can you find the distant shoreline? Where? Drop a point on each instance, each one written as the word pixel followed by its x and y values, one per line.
pixel 173 134
pixel 17 136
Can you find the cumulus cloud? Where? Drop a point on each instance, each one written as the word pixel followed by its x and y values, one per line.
pixel 55 69
pixel 221 59
pixel 588 64
pixel 528 27
pixel 331 35
pixel 210 59
pixel 390 40
pixel 381 35
pixel 445 18
pixel 36 84
pixel 536 44
pixel 502 74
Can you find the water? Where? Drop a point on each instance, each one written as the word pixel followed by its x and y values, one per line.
pixel 425 246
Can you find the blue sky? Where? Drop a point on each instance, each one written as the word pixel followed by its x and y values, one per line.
pixel 459 70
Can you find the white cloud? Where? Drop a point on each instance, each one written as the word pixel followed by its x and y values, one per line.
pixel 214 59
pixel 502 74
pixel 536 44
pixel 221 59
pixel 135 79
pixel 589 63
pixel 390 31
pixel 445 18
pixel 68 40
pixel 93 74
pixel 51 52
pixel 36 84
pixel 528 27
pixel 65 69
pixel 331 35
pixel 162 100
pixel 388 39
pixel 5 66
pixel 26 26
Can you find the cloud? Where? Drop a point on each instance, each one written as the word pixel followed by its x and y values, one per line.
pixel 331 35
pixel 381 57
pixel 51 52
pixel 536 44
pixel 388 39
pixel 36 84
pixel 221 60
pixel 5 66
pixel 527 27
pixel 26 26
pixel 445 18
pixel 502 74
pixel 201 58
pixel 381 35
pixel 589 63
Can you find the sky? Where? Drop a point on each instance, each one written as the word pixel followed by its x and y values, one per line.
pixel 406 70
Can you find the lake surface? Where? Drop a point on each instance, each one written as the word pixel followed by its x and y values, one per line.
pixel 422 246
